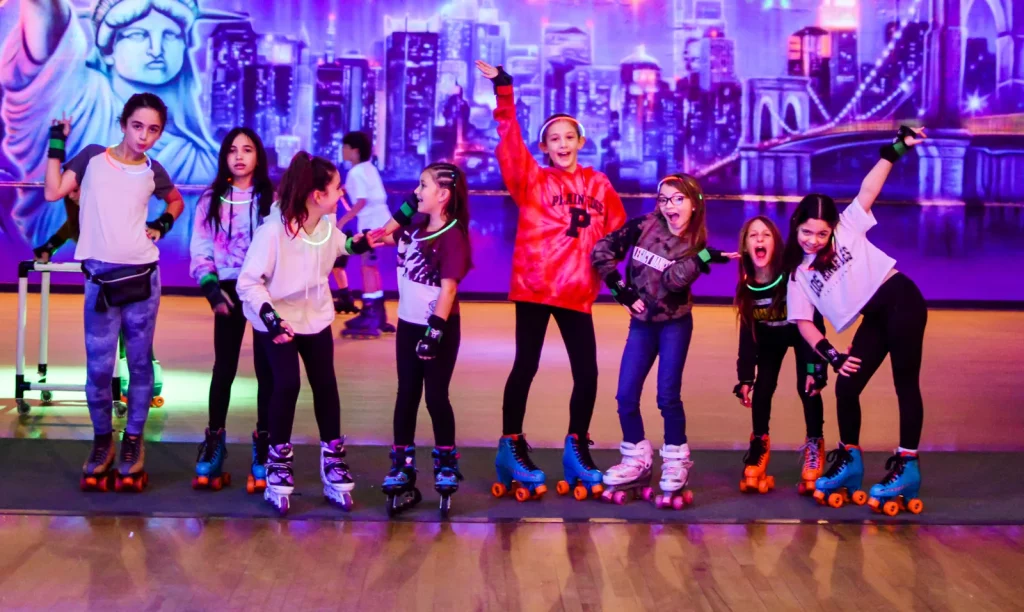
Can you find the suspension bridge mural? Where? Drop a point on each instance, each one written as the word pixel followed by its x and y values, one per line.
pixel 758 97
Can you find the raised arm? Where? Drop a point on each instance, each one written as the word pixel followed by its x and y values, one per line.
pixel 872 184
pixel 42 24
pixel 58 183
pixel 518 167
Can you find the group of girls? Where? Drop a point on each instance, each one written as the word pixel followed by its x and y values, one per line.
pixel 268 262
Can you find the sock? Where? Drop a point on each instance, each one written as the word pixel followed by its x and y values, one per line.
pixel 906 451
pixel 373 296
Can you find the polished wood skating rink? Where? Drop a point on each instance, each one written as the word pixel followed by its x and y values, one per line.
pixel 974 400
pixel 73 563
pixel 971 380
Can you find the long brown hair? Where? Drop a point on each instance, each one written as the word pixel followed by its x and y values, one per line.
pixel 451 177
pixel 813 206
pixel 304 175
pixel 696 232
pixel 744 301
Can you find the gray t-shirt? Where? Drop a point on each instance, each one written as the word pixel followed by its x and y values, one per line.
pixel 114 204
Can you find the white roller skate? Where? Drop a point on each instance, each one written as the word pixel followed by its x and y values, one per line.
pixel 280 480
pixel 675 475
pixel 338 483
pixel 631 475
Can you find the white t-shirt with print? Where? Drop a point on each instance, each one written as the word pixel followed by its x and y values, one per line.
pixel 859 269
pixel 363 183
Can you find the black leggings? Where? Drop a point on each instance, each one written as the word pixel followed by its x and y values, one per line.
pixel 228 332
pixel 894 322
pixel 577 330
pixel 415 374
pixel 772 345
pixel 317 352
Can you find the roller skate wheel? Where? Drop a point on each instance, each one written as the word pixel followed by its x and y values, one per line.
pixel 445 506
pixel 157 402
pixel 819 495
pixel 562 487
pixel 809 485
pixel 891 508
pixel 802 489
pixel 217 484
pixel 540 490
pixel 743 486
pixel 752 483
pixel 46 397
pixel 282 509
pixel 203 481
pixel 23 407
pixel 596 490
pixel 859 497
pixel 771 482
pixel 836 500
pixel 915 506
pixel 659 502
pixel 498 489
pixel 608 496
pixel 250 485
pixel 140 483
pixel 104 484
pixel 874 504
pixel 619 497
pixel 762 487
pixel 522 494
pixel 195 483
pixel 83 483
pixel 647 494
pixel 580 493
pixel 677 503
pixel 688 497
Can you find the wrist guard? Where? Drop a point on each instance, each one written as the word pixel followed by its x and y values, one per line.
pixel 403 216
pixel 357 246
pixel 623 293
pixel 738 389
pixel 829 352
pixel 894 151
pixel 272 320
pixel 427 346
pixel 501 79
pixel 709 256
pixel 57 142
pixel 820 374
pixel 210 286
pixel 163 224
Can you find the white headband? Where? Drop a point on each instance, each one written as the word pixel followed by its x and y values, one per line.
pixel 540 134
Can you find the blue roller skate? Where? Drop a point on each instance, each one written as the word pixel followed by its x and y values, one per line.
pixel 900 487
pixel 844 478
pixel 580 472
pixel 446 475
pixel 210 462
pixel 257 480
pixel 400 483
pixel 516 471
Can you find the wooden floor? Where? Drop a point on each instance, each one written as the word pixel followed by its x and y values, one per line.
pixel 71 563
pixel 974 397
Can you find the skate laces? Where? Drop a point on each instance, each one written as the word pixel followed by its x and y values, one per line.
pixel 446 462
pixel 809 454
pixel 520 450
pixel 582 450
pixel 756 451
pixel 100 450
pixel 208 447
pixel 895 465
pixel 130 447
pixel 402 458
pixel 839 457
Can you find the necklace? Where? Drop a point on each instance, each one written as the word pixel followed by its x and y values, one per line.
pixel 415 237
pixel 330 228
pixel 236 202
pixel 767 287
pixel 124 167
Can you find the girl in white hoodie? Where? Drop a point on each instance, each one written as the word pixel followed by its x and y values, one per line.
pixel 285 295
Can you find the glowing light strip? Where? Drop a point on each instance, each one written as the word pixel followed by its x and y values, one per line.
pixel 902 88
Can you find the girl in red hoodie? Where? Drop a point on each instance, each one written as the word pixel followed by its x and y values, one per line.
pixel 564 209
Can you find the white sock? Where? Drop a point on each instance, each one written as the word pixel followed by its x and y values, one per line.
pixel 910 451
pixel 373 296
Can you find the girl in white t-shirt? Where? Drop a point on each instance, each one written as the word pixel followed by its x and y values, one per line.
pixel 836 270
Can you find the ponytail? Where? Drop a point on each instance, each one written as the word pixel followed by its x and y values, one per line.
pixel 305 174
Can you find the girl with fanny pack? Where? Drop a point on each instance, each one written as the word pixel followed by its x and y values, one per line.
pixel 119 258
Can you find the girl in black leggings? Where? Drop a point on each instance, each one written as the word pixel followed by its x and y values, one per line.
pixel 835 269
pixel 226 217
pixel 765 337
pixel 285 295
pixel 433 258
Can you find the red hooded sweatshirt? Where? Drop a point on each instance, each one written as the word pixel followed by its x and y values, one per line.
pixel 562 215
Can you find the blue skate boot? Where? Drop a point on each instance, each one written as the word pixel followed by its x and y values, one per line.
pixel 210 472
pixel 844 478
pixel 400 483
pixel 516 471
pixel 257 480
pixel 900 487
pixel 446 475
pixel 580 472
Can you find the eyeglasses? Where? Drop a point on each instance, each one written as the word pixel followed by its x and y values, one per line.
pixel 678 199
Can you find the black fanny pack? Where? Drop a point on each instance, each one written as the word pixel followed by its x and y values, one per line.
pixel 123 286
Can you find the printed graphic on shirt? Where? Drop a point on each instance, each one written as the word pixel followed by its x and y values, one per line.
pixel 767 312
pixel 648 258
pixel 415 267
pixel 818 279
pixel 580 207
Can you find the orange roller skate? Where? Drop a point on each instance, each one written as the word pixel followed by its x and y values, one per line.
pixel 813 458
pixel 131 473
pixel 97 474
pixel 755 474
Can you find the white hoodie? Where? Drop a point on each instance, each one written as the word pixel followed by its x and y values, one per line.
pixel 290 273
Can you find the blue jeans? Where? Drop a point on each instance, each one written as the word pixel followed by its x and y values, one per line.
pixel 669 341
pixel 137 322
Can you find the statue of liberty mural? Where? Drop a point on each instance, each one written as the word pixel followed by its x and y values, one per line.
pixel 52 63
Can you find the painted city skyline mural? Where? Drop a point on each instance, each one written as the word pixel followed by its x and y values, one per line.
pixel 757 97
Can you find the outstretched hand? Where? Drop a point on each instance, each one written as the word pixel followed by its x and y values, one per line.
pixel 486 69
pixel 918 137
pixel 64 121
